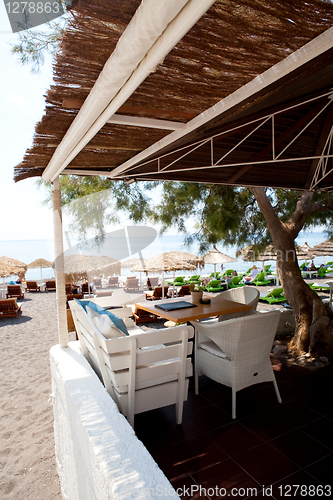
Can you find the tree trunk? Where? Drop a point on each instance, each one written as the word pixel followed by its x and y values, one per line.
pixel 298 293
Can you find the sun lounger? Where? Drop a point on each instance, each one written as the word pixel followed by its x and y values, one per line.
pixel 260 280
pixel 236 282
pixel 50 285
pixel 14 291
pixel 195 279
pixel 72 296
pixel 85 288
pixel 216 286
pixel 319 287
pixel 141 316
pixel 179 281
pixel 152 282
pixel 274 296
pixel 97 282
pixel 114 281
pixel 132 285
pixel 9 307
pixel 184 290
pixel 156 294
pixel 32 286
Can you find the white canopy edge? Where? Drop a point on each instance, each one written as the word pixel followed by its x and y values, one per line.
pixel 309 51
pixel 154 30
pixel 141 121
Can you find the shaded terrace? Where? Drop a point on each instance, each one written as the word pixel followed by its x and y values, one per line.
pixel 228 47
pixel 268 444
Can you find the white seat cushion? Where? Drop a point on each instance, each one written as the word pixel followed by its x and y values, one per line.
pixel 211 347
pixel 104 324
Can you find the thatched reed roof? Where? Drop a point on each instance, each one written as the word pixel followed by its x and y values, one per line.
pixel 229 46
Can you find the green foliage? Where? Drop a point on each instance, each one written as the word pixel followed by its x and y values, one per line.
pixel 34 45
pixel 224 214
pixel 92 203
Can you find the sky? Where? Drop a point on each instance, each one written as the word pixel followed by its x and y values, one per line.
pixel 21 107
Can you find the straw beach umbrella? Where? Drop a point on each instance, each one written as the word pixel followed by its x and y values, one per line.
pixel 130 263
pixel 42 263
pixel 8 267
pixel 82 266
pixel 170 261
pixel 323 249
pixel 304 252
pixel 251 254
pixel 214 256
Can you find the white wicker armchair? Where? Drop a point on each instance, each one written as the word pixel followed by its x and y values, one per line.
pixel 244 295
pixel 236 352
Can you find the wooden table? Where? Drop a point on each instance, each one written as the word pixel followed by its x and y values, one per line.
pixel 215 308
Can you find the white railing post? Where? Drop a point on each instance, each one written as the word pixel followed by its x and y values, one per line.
pixel 59 265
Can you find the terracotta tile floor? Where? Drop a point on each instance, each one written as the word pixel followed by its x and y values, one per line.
pixel 269 447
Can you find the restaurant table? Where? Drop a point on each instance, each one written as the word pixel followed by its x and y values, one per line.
pixel 217 307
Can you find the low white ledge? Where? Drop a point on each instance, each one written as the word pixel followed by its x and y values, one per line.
pixel 98 454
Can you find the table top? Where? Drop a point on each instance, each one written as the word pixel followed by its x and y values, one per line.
pixel 215 308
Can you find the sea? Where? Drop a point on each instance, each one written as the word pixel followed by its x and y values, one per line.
pixel 29 250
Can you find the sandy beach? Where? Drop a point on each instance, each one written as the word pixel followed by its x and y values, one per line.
pixel 27 456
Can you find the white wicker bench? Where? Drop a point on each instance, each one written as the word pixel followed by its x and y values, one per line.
pixel 142 370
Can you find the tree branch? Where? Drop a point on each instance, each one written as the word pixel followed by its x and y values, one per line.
pixel 274 224
pixel 298 218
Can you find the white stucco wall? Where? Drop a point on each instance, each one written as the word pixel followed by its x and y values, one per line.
pixel 98 455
